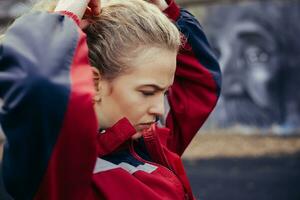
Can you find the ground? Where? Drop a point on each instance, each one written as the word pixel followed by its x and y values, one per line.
pixel 244 167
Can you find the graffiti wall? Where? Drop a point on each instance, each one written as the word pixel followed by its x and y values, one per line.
pixel 257 44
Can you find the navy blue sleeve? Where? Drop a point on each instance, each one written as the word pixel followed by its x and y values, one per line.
pixel 197 83
pixel 35 59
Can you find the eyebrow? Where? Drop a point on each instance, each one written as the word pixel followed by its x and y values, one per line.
pixel 157 87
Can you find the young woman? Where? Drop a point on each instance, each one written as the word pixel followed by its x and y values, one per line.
pixel 107 112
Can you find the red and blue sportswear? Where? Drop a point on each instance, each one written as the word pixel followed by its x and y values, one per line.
pixel 54 149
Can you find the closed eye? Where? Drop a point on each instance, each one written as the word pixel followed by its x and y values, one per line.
pixel 151 90
pixel 147 93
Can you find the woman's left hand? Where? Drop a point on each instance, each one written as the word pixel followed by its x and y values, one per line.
pixel 161 4
pixel 84 9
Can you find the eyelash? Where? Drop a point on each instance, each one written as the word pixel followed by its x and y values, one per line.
pixel 147 93
pixel 152 93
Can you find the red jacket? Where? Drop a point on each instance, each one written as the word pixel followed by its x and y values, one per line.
pixel 53 149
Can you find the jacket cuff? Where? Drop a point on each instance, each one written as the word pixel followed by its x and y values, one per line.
pixel 71 15
pixel 172 11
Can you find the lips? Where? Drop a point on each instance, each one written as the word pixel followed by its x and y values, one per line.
pixel 143 126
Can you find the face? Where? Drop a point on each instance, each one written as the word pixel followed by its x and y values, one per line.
pixel 260 73
pixel 139 93
pixel 250 69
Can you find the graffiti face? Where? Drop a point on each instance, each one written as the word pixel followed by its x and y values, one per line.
pixel 254 67
pixel 250 69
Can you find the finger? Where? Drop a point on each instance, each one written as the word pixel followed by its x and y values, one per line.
pixel 136 136
pixel 84 23
pixel 88 13
pixel 95 6
pixel 161 4
pixel 154 1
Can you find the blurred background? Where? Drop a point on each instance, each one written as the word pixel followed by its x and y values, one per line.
pixel 249 148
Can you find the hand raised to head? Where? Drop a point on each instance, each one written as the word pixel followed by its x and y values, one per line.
pixel 161 4
pixel 80 8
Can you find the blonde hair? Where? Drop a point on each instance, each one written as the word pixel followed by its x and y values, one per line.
pixel 124 28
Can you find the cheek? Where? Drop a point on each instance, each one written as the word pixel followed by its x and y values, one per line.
pixel 130 104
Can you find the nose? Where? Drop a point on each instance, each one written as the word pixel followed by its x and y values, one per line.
pixel 157 108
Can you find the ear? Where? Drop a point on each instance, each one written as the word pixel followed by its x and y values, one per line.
pixel 97 79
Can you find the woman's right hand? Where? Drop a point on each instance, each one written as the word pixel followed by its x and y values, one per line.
pixel 161 4
pixel 79 7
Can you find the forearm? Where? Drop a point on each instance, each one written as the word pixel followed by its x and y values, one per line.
pixel 196 86
pixel 46 85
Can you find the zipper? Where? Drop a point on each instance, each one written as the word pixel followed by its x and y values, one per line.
pixel 152 139
pixel 136 156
